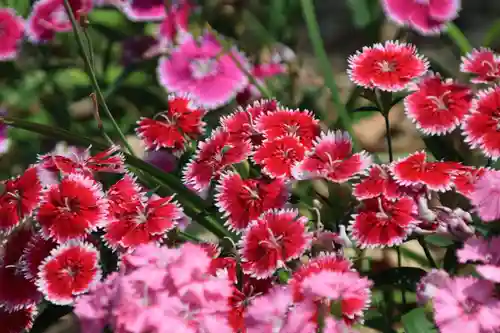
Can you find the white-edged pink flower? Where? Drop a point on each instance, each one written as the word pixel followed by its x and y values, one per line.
pixel 202 68
pixel 49 17
pixel 426 17
pixel 70 270
pixel 484 252
pixel 275 238
pixel 73 208
pixel 244 200
pixel 483 64
pixel 378 181
pixel 143 10
pixel 438 106
pixel 389 67
pixel 174 25
pixel 429 285
pixel 332 158
pixel 12 32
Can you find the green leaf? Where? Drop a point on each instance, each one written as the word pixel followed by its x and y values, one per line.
pixel 405 278
pixel 439 240
pixel 492 34
pixel 441 149
pixel 416 321
pixel 450 259
pixel 361 13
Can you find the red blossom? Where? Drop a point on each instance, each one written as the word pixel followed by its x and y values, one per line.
pixel 214 156
pixel 278 156
pixel 481 126
pixel 380 222
pixel 122 193
pixel 465 179
pixel 172 128
pixel 332 158
pixel 275 238
pixel 69 271
pixel 284 122
pixel 244 200
pixel 224 266
pixel 73 208
pixel 483 63
pixel 390 66
pixel 34 254
pixel 378 182
pixel 212 249
pixel 12 27
pixel 241 124
pixel 415 170
pixel 438 106
pixel 19 199
pixel 19 320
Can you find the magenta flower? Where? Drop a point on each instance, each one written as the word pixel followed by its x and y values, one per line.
pixel 11 33
pixel 143 10
pixel 428 17
pixel 486 253
pixel 430 284
pixel 486 196
pixel 203 69
pixel 467 304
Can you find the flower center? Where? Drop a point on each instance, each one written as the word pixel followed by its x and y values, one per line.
pixel 439 101
pixel 292 129
pixel 203 68
pixel 470 306
pixel 387 66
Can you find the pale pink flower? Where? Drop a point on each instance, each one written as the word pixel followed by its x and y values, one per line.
pixel 429 285
pixel 486 253
pixel 202 68
pixel 486 196
pixel 467 304
pixel 425 16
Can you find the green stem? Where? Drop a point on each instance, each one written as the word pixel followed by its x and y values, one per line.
pixel 427 252
pixel 388 137
pixel 457 36
pixel 92 76
pixel 326 69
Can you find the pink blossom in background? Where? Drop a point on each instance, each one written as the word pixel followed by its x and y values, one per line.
pixel 483 64
pixel 484 252
pixel 175 24
pixel 486 196
pixel 201 68
pixel 143 10
pixel 428 17
pixel 260 72
pixel 430 284
pixel 49 17
pixel 467 304
pixel 11 33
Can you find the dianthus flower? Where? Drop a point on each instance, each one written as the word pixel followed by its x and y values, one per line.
pixel 486 196
pixel 244 200
pixel 426 17
pixel 157 289
pixel 467 304
pixel 203 69
pixel 260 72
pixel 480 127
pixel 438 106
pixel 332 158
pixel 415 170
pixel 428 286
pixel 35 253
pixel 73 208
pixel 214 156
pixel 70 270
pixel 19 199
pixel 275 238
pixel 380 222
pixel 19 320
pixel 174 25
pixel 143 10
pixel 49 16
pixel 465 179
pixel 483 64
pixel 12 27
pixel 378 181
pixel 173 128
pixel 389 67
pixel 486 253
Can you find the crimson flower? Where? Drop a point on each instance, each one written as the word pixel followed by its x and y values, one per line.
pixel 214 156
pixel 332 158
pixel 122 193
pixel 244 200
pixel 19 320
pixel 12 27
pixel 465 179
pixel 73 208
pixel 34 254
pixel 483 63
pixel 275 238
pixel 173 128
pixel 278 156
pixel 69 271
pixel 378 182
pixel 438 106
pixel 241 124
pixel 19 199
pixel 415 170
pixel 49 16
pixel 481 126
pixel 300 124
pixel 380 222
pixel 389 67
